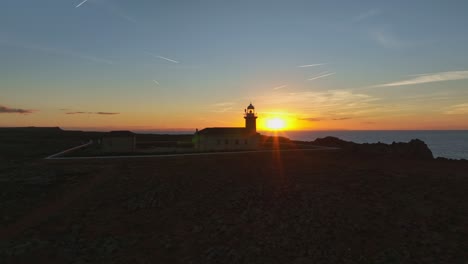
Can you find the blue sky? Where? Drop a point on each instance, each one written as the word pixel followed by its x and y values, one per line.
pixel 109 56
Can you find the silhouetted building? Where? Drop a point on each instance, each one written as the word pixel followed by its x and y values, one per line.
pixel 118 142
pixel 230 138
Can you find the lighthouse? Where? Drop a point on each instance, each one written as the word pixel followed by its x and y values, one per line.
pixel 250 118
pixel 230 138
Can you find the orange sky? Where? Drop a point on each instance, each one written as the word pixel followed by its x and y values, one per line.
pixel 233 117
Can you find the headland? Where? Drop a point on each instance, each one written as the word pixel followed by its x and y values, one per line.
pixel 373 203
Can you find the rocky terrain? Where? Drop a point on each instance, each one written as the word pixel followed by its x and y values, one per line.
pixel 415 149
pixel 278 207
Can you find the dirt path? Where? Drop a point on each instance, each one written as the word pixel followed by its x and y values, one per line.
pixel 194 154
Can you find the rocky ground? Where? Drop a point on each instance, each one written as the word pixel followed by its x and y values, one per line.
pixel 290 207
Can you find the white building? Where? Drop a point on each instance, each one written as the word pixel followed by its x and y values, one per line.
pixel 230 138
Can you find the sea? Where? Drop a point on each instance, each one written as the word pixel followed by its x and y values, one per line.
pixel 452 144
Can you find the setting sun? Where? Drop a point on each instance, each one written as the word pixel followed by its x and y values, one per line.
pixel 275 123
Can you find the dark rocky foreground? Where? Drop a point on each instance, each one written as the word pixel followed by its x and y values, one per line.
pixel 345 206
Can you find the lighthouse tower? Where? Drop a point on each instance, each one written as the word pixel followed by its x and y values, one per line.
pixel 250 118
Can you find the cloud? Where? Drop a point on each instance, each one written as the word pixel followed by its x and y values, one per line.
pixel 222 104
pixel 184 67
pixel 7 110
pixel 81 3
pixel 106 113
pixel 116 10
pixel 280 87
pixel 112 8
pixel 54 50
pixel 459 109
pixel 312 99
pixel 368 14
pixel 321 75
pixel 311 119
pixel 387 39
pixel 77 113
pixel 429 78
pixel 222 107
pixel 156 82
pixel 315 104
pixel 311 65
pixel 222 110
pixel 317 119
pixel 91 113
pixel 163 58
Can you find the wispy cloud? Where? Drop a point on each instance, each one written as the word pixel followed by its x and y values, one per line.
pixel 459 109
pixel 8 110
pixel 112 8
pixel 81 3
pixel 55 50
pixel 223 110
pixel 317 119
pixel 429 78
pixel 156 82
pixel 331 104
pixel 223 104
pixel 184 67
pixel 387 39
pixel 311 65
pixel 222 107
pixel 279 87
pixel 106 113
pixel 311 119
pixel 316 100
pixel 92 113
pixel 77 113
pixel 164 58
pixel 368 14
pixel 322 75
pixel 116 10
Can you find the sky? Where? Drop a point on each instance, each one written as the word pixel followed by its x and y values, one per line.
pixel 318 65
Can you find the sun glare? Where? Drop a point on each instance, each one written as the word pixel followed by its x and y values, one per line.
pixel 275 123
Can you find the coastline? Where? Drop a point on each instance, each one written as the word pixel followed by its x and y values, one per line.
pixel 364 203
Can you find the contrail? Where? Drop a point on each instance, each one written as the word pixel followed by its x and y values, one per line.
pixel 164 58
pixel 311 65
pixel 156 82
pixel 81 3
pixel 321 76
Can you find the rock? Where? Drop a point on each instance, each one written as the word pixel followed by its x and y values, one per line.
pixel 332 142
pixel 415 149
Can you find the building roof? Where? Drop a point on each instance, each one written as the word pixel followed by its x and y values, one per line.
pixel 250 106
pixel 227 131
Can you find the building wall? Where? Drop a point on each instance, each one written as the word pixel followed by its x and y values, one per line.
pixel 227 142
pixel 118 144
